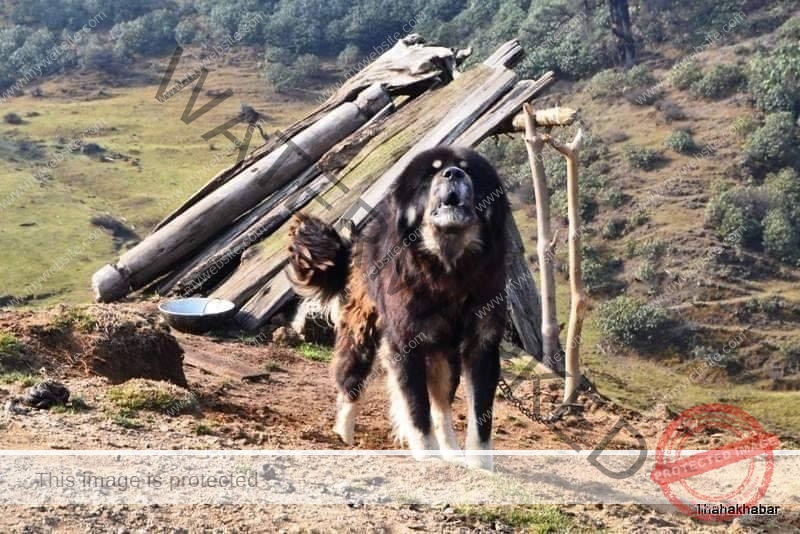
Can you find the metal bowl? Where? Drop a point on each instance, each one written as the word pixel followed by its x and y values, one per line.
pixel 197 315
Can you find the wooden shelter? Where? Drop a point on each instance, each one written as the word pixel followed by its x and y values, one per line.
pixel 229 240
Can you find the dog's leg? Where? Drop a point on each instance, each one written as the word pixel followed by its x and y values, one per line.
pixel 482 371
pixel 443 378
pixel 352 370
pixel 410 404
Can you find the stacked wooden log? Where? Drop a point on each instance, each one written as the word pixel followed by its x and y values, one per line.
pixel 229 241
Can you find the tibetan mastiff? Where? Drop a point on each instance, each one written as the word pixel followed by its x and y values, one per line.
pixel 418 287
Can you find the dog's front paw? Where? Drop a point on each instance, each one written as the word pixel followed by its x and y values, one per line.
pixel 476 460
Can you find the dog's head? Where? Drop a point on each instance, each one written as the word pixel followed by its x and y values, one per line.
pixel 453 198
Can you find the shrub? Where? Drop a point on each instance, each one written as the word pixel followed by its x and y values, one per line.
pixel 95 56
pixel 639 76
pixel 631 323
pixel 12 118
pixel 598 270
pixel 790 30
pixel 774 79
pixel 613 229
pixel 784 192
pixel 348 57
pixel 685 73
pixel 680 141
pixel 739 211
pixel 773 146
pixel 721 81
pixel 185 32
pixel 605 84
pixel 780 237
pixel 614 197
pixel 639 157
pixel 647 272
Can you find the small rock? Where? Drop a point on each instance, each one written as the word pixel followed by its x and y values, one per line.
pixel 286 337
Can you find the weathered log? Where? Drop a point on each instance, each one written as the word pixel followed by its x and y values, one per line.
pixel 191 229
pixel 579 300
pixel 491 122
pixel 522 296
pixel 267 217
pixel 557 116
pixel 534 143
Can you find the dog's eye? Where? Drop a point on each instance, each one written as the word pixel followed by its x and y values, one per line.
pixel 463 164
pixel 437 164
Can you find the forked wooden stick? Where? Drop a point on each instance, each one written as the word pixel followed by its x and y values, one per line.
pixel 534 143
pixel 578 296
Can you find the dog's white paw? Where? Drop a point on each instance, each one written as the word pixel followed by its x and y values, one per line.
pixel 480 461
pixel 345 426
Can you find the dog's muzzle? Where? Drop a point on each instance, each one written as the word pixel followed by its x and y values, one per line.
pixel 451 203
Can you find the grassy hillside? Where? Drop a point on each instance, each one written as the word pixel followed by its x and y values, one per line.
pixel 154 155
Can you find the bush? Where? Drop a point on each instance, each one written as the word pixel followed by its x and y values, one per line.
pixel 721 81
pixel 680 141
pixel 613 229
pixel 95 56
pixel 12 118
pixel 685 73
pixel 348 57
pixel 185 32
pixel 647 272
pixel 773 146
pixel 774 79
pixel 784 192
pixel 614 197
pixel 605 84
pixel 598 270
pixel 633 324
pixel 739 211
pixel 790 31
pixel 780 236
pixel 639 76
pixel 284 77
pixel 639 157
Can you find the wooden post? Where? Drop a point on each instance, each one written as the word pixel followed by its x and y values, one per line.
pixel 534 143
pixel 578 297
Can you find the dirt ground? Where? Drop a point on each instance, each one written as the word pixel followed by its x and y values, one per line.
pixel 291 406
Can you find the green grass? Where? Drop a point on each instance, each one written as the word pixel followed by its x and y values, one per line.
pixel 77 318
pixel 136 395
pixel 56 216
pixel 16 377
pixel 315 353
pixel 127 422
pixel 76 405
pixel 9 344
pixel 203 429
pixel 543 519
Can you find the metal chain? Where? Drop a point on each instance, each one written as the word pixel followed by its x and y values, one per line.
pixel 505 389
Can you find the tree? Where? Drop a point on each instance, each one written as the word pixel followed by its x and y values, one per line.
pixel 621 28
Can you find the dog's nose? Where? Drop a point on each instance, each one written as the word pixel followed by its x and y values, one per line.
pixel 453 173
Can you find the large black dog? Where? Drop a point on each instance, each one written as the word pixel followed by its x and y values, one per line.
pixel 416 285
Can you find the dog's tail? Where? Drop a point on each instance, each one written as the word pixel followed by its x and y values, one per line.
pixel 319 259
